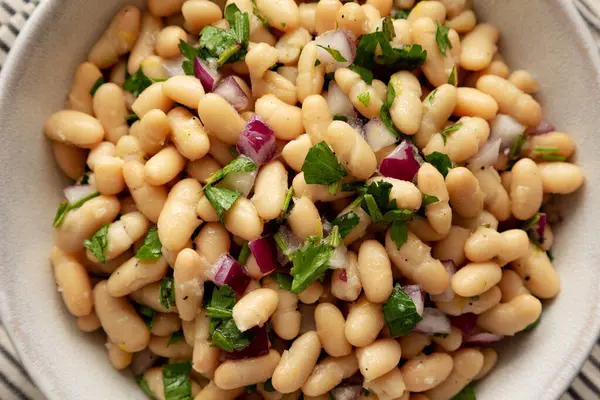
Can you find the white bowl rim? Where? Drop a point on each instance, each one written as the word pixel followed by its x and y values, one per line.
pixel 12 69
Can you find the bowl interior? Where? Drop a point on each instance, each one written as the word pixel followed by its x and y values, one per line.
pixel 544 36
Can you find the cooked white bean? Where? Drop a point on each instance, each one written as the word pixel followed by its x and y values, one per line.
pixel 476 278
pixel 73 282
pixel 467 364
pixel 375 271
pixel 426 372
pixel 167 41
pixel 526 189
pixel 389 386
pixel 310 77
pixel 239 373
pixel 538 273
pixel 70 159
pixel 462 144
pixel 150 99
pixel 330 325
pixel 478 47
pixel 476 305
pixel 345 283
pixel 407 109
pixel 496 200
pixel 220 118
pixel 297 363
pixel 122 234
pixel 329 373
pixel 466 197
pixel 512 317
pixel 378 358
pixel 75 128
pixel 164 166
pixel 364 322
pixel 437 67
pixel 561 177
pixel 149 199
pixel 286 318
pixel 205 358
pixel 134 274
pixel 80 98
pixel 437 108
pixel 304 219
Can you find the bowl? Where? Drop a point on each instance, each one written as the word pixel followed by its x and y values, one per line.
pixel 547 37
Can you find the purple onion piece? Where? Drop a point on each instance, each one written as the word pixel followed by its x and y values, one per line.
pixel 231 91
pixel 448 294
pixel 416 295
pixel 402 163
pixel 349 392
pixel 482 339
pixel 259 346
pixel 257 141
pixel 434 322
pixel 538 229
pixel 543 127
pixel 343 275
pixel 265 253
pixel 227 271
pixel 465 322
pixel 208 75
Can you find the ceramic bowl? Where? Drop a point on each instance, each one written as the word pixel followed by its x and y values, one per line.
pixel 546 37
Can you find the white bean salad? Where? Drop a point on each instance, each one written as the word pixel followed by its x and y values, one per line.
pixel 293 199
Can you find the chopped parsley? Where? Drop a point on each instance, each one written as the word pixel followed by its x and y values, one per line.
pixel 549 153
pixel 400 14
pixel 399 233
pixel 450 130
pixel 244 254
pixel 452 80
pixel 137 83
pixel 321 166
pixel 222 199
pixel 364 98
pixel 223 330
pixel 167 292
pixel 176 381
pixel 99 82
pixel 441 38
pixel 533 325
pixel 190 53
pixel 175 337
pixel 98 243
pixel 221 303
pixel 384 112
pixel 309 264
pixel 131 118
pixel 466 394
pixel 145 388
pixel 337 56
pixel 432 96
pixel 240 164
pixel 400 313
pixel 151 249
pixel 284 280
pixel 340 118
pixel 260 17
pixel 147 314
pixel 427 199
pixel 268 386
pixel 346 223
pixel 440 161
pixel 364 73
pixel 515 150
pixel 64 207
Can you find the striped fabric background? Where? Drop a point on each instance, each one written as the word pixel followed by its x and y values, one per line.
pixel 15 384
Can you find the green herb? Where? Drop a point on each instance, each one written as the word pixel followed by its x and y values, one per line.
pixel 240 164
pixel 251 388
pixel 151 249
pixel 283 24
pixel 137 83
pixel 346 223
pixel 222 199
pixel 284 280
pixel 131 117
pixel 337 56
pixel 550 256
pixel 427 199
pixel 366 392
pixel 98 243
pixel 486 225
pixel 175 337
pixel 309 264
pixel 439 160
pixel 333 188
pixel 288 200
pixel 166 294
pixel 147 315
pixel 399 233
pixel 515 149
pixel 452 78
pixel 99 82
pixel 450 130
pixel 552 157
pixel 380 190
pixel 549 153
pixel 400 313
pixel 335 239
pixel 221 303
pixel 373 208
pixel 466 394
pixel 275 67
pixel 365 98
pixel 176 381
pixel 527 225
pixel 85 179
pixel 432 96
pixel 340 118
pixel 260 17
pixel 268 386
pixel 321 166
pixel 400 14
pixel 352 186
pixel 364 73
pixel 64 207
pixel 317 63
pixel 441 335
pixel 244 254
pixel 542 150
pixel 398 215
pixel 387 27
pixel 228 337
pixel 281 244
pixel 474 298
pixel 441 38
pixel 145 388
pixel 189 52
pixel 532 325
pixel 384 112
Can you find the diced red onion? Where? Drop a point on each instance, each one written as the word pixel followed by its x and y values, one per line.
pixel 208 74
pixel 75 193
pixel 507 129
pixel 142 361
pixel 448 294
pixel 482 339
pixel 465 322
pixel 340 40
pixel 339 257
pixel 174 66
pixel 227 271
pixel 434 321
pixel 257 141
pixel 346 392
pixel 487 155
pixel 544 126
pixel 231 91
pixel 240 181
pixel 343 275
pixel 339 103
pixel 402 163
pixel 259 346
pixel 538 229
pixel 416 295
pixel 378 135
pixel 264 251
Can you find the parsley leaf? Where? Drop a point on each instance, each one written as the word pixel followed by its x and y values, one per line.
pixel 284 280
pixel 466 394
pixel 167 292
pixel 145 388
pixel 364 73
pixel 222 199
pixel 321 166
pixel 515 150
pixel 549 153
pixel 221 303
pixel 147 315
pixel 449 130
pixel 400 313
pixel 452 80
pixel 239 23
pixel 176 381
pixel 398 215
pixel 251 388
pixel 432 96
pixel 373 208
pixel 175 337
pixel 244 254
pixel 287 202
pixel 151 249
pixel 439 160
pixel 441 38
pixel 99 82
pixel 309 264
pixel 260 17
pixel 268 386
pixel 365 98
pixel 399 233
pixel 64 207
pixel 223 330
pixel 346 223
pixel 338 117
pixel 240 164
pixel 384 112
pixel 400 14
pixel 337 56
pixel 226 45
pixel 532 325
pixel 137 83
pixel 189 52
pixel 228 337
pixel 98 243
pixel 131 118
pixel 427 199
